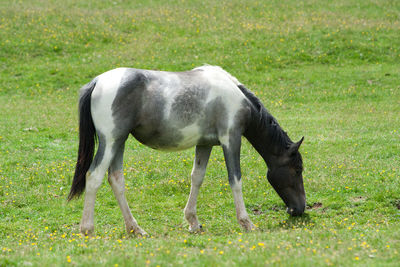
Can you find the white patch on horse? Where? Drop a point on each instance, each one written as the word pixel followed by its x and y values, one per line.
pixel 220 71
pixel 224 140
pixel 224 86
pixel 169 92
pixel 102 99
pixel 191 135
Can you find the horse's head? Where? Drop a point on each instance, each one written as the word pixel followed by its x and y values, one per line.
pixel 285 176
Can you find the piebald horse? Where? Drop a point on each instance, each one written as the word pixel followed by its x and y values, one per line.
pixel 203 107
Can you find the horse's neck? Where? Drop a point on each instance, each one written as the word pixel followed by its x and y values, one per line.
pixel 266 136
pixel 263 131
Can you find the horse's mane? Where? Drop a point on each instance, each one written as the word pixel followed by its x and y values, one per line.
pixel 265 123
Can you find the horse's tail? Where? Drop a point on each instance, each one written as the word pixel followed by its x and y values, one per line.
pixel 87 139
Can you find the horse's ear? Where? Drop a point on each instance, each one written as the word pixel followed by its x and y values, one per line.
pixel 295 147
pixel 300 142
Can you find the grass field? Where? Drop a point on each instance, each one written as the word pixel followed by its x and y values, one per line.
pixel 328 70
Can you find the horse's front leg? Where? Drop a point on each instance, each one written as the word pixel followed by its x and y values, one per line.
pixel 202 155
pixel 232 159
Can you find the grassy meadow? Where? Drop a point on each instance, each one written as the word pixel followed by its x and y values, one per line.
pixel 327 70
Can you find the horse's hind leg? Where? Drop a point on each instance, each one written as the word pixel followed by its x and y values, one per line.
pixel 116 180
pixel 199 169
pixel 94 178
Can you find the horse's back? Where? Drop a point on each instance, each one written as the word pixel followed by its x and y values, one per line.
pixel 167 110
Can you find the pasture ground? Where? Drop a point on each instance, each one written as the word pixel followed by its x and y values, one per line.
pixel 328 70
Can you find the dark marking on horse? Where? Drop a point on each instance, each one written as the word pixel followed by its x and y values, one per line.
pixel 100 151
pixel 214 122
pixel 139 109
pixel 127 104
pixel 188 105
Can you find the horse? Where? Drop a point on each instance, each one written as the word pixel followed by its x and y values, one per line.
pixel 203 107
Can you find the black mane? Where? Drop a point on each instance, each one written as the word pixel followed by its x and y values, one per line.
pixel 264 128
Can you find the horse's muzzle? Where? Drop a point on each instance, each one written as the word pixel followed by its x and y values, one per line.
pixel 296 211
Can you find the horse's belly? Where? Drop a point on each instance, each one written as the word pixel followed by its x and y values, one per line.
pixel 170 138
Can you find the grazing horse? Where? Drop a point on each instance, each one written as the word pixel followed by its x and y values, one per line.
pixel 171 111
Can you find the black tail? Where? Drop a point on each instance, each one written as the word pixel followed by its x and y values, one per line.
pixel 87 139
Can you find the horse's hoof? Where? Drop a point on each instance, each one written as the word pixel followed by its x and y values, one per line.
pixel 137 231
pixel 247 225
pixel 87 231
pixel 252 227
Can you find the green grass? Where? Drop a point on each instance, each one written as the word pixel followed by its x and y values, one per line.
pixel 328 70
